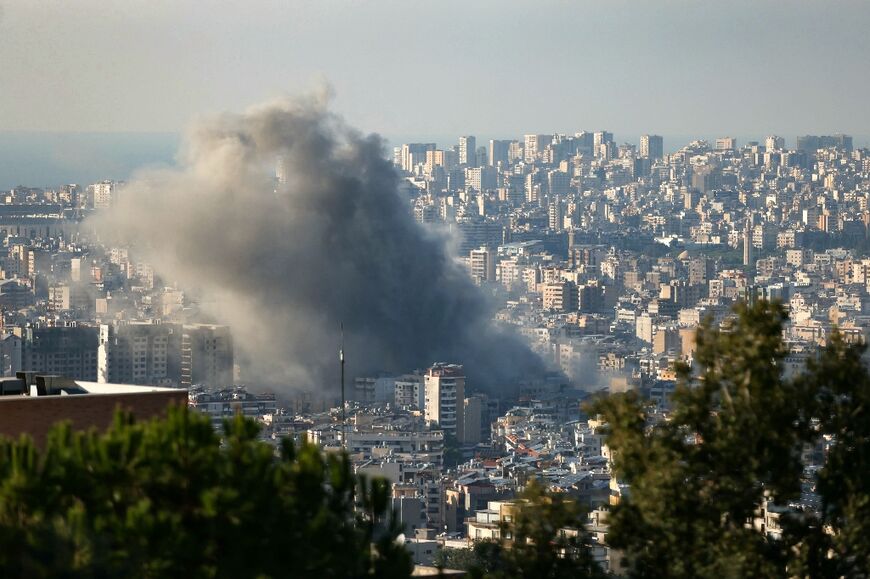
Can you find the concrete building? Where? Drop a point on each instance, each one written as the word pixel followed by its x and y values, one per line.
pixel 645 327
pixel 445 396
pixel 560 296
pixel 601 139
pixel 651 146
pixel 774 143
pixel 558 184
pixel 374 389
pixel 104 194
pixel 15 294
pixel 473 414
pixel 427 446
pixel 667 339
pixel 140 353
pixel 10 354
pixel 810 143
pixel 410 391
pixel 534 145
pixel 69 351
pixel 223 404
pixel 69 297
pixel 481 264
pixel 411 154
pixel 705 178
pixel 481 179
pixel 499 152
pixel 726 144
pixel 206 356
pixel 747 245
pixel 468 150
pixel 555 215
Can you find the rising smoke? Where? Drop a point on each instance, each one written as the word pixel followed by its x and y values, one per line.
pixel 285 264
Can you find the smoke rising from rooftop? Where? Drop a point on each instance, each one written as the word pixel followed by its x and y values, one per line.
pixel 285 264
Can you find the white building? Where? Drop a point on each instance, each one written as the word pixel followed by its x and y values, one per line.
pixel 481 263
pixel 445 396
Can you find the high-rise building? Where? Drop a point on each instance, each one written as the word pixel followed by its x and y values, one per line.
pixel 726 144
pixel 412 154
pixel 410 391
pixel 482 264
pixel 747 245
pixel 468 150
pixel 206 356
pixel 774 143
pixel 704 178
pixel 811 143
pixel 476 233
pixel 473 413
pixel 645 327
pixel 839 140
pixel 69 351
pixel 600 138
pixel 651 146
pixel 498 152
pixel 103 194
pixel 69 194
pixel 606 151
pixel 436 158
pixel 140 353
pixel 445 398
pixel 481 178
pixel 560 296
pixel 701 270
pixel 482 156
pixel 10 354
pixel 555 215
pixel 515 152
pixel 534 146
pixel 558 183
pixel 64 297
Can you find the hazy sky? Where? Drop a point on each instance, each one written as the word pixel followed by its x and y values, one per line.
pixel 443 67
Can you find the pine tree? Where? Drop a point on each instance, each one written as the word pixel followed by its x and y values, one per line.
pixel 732 442
pixel 172 498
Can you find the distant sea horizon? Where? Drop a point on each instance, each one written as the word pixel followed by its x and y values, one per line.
pixel 49 159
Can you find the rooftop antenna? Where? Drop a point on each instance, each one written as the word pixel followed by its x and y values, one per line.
pixel 341 360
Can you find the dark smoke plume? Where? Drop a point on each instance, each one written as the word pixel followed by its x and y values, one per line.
pixel 285 264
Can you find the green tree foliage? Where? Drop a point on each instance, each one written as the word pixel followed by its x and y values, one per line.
pixel 734 441
pixel 836 543
pixel 544 538
pixel 172 498
pixel 452 451
pixel 464 559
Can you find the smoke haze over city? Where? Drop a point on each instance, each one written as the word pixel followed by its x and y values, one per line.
pixel 285 263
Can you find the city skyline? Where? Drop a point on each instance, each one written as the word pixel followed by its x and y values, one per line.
pixel 497 289
pixel 50 159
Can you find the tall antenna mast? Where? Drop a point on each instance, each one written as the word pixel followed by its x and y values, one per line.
pixel 343 418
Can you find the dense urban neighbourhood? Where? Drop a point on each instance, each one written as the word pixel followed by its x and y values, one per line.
pixel 607 259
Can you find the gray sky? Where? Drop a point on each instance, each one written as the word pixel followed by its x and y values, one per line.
pixel 443 67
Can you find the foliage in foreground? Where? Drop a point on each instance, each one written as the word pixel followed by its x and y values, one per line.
pixel 546 538
pixel 172 498
pixel 733 441
pixel 169 498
